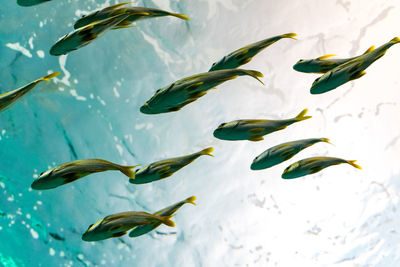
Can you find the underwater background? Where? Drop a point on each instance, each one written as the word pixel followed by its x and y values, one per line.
pixel 338 217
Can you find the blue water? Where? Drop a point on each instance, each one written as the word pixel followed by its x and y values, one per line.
pixel 243 218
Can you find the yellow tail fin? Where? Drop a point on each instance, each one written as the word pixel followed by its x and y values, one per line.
pixel 352 163
pixel 289 35
pixel 48 77
pixel 326 140
pixel 127 170
pixel 207 151
pixel 395 40
pixel 301 116
pixel 255 74
pixel 181 16
pixel 190 200
pixel 167 220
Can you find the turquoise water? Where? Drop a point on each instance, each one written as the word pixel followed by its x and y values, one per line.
pixel 242 218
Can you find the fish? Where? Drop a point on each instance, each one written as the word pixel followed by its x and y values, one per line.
pixel 72 171
pixel 180 93
pixel 118 224
pixel 280 153
pixel 245 54
pixel 84 35
pixel 134 14
pixel 8 99
pixel 254 130
pixel 165 168
pixel 168 211
pixel 350 70
pixel 322 64
pixel 31 2
pixel 312 165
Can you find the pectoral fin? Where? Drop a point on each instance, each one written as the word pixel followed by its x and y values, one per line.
pixel 288 154
pixel 118 234
pixel 256 138
pixel 256 131
pixel 196 95
pixel 193 86
pixel 357 75
pixel 89 37
pixel 174 109
pixel 164 170
pixel 165 175
pixel 241 54
pixel 246 60
pixel 315 169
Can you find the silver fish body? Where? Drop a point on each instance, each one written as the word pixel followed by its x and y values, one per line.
pixel 254 130
pixel 280 153
pixel 182 92
pixel 312 165
pixel 165 168
pixel 245 54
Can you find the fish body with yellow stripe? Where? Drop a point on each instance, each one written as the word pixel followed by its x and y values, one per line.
pixel 9 98
pixel 72 171
pixel 168 211
pixel 350 70
pixel 165 168
pixel 118 224
pixel 280 153
pixel 245 54
pixel 84 35
pixel 254 130
pixel 134 14
pixel 312 165
pixel 182 92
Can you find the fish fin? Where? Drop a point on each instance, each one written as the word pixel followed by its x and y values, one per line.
pixel 326 140
pixel 395 40
pixel 48 77
pixel 127 170
pixel 255 74
pixel 352 163
pixel 117 5
pixel 174 109
pixel 164 170
pixel 241 54
pixel 123 27
pixel 246 60
pixel 325 57
pixel 119 234
pixel 289 35
pixel 196 95
pixel 207 151
pixel 372 48
pixel 301 116
pixel 357 75
pixel 193 86
pixel 167 220
pixel 355 67
pixel 255 131
pixel 181 16
pixel 89 37
pixel 288 154
pixel 190 200
pixel 69 178
pixel 230 78
pixel 315 169
pixel 166 175
pixel 256 138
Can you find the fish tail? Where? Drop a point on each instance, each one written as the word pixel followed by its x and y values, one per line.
pixel 167 220
pixel 181 16
pixel 48 77
pixel 301 116
pixel 352 163
pixel 207 151
pixel 127 170
pixel 326 140
pixel 190 200
pixel 395 40
pixel 255 74
pixel 289 35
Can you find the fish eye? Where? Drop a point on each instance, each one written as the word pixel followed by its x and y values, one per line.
pixel 41 174
pixel 301 60
pixel 214 64
pixel 158 90
pixel 222 124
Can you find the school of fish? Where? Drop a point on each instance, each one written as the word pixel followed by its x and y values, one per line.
pixel 174 97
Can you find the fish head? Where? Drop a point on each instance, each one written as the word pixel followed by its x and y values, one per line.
pixel 45 181
pixel 218 65
pixel 225 130
pixel 259 161
pixel 98 231
pixel 303 65
pixel 291 171
pixel 156 104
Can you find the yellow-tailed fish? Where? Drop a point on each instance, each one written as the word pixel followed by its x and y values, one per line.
pixel 8 99
pixel 85 35
pixel 246 54
pixel 71 171
pixel 118 224
pixel 280 153
pixel 312 165
pixel 165 168
pixel 180 93
pixel 31 2
pixel 135 14
pixel 168 211
pixel 349 71
pixel 324 63
pixel 254 130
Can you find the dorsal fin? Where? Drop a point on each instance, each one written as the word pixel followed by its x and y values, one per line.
pixel 117 5
pixel 372 48
pixel 325 56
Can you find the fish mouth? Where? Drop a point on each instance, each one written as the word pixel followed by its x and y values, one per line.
pixel 145 109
